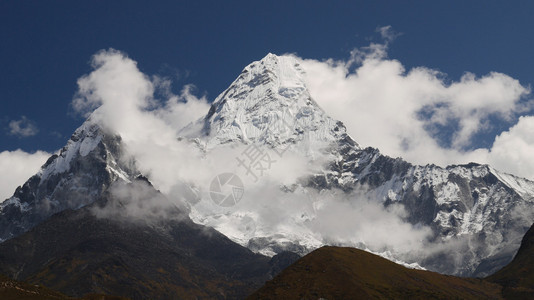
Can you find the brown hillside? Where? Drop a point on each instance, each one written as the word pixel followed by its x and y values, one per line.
pixel 345 273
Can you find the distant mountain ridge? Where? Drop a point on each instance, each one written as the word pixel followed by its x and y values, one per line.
pixel 268 105
pixel 484 211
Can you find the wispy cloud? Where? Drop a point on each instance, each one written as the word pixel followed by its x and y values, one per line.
pixel 23 127
pixel 138 201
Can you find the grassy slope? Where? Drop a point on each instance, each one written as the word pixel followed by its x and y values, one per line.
pixel 343 273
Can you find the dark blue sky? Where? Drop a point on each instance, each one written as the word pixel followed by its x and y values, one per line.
pixel 46 45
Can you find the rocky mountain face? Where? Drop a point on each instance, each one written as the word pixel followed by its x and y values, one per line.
pixel 483 211
pixel 269 104
pixel 71 179
pixel 480 210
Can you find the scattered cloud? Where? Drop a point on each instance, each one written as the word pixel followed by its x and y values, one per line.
pixel 23 127
pixel 17 166
pixel 56 134
pixel 174 73
pixel 387 33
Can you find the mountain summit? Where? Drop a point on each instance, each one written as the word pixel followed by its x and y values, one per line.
pixel 269 104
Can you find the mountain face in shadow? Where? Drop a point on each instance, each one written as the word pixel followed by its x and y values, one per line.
pixel 517 278
pixel 79 252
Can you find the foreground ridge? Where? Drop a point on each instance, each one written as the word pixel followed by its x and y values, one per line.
pixel 348 273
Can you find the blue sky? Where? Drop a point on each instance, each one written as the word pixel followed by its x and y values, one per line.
pixel 47 45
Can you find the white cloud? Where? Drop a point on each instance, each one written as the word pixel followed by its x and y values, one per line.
pixel 419 114
pixel 513 150
pixel 387 33
pixel 23 127
pixel 138 201
pixel 16 167
pixel 314 218
pixel 148 126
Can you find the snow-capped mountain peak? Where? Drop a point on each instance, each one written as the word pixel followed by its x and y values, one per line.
pixel 269 103
pixel 82 143
pixel 74 177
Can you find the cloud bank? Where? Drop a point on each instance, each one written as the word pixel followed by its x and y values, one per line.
pixel 419 114
pixel 17 166
pixel 313 218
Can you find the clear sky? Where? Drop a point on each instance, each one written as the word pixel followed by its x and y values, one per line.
pixel 45 46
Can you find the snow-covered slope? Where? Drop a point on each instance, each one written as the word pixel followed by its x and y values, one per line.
pixel 73 178
pixel 269 104
pixel 477 215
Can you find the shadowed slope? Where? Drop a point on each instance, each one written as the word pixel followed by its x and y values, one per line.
pixel 517 278
pixel 77 253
